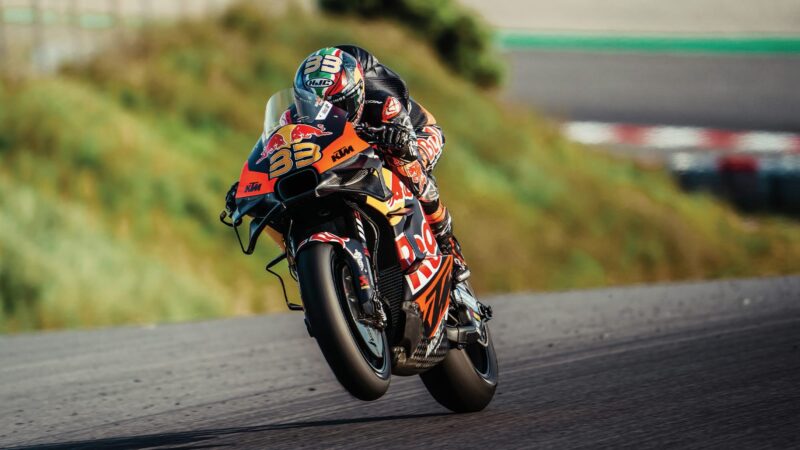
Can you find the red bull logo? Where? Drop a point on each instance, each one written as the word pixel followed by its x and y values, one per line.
pixel 289 135
pixel 275 142
pixel 302 132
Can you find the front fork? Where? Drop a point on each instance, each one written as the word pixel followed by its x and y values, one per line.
pixel 356 253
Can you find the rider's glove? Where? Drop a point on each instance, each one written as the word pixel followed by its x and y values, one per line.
pixel 230 198
pixel 394 138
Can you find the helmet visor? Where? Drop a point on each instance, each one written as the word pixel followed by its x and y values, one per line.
pixel 309 109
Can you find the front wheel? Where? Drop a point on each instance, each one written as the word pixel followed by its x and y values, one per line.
pixel 357 353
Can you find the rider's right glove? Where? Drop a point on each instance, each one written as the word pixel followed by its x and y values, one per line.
pixel 394 138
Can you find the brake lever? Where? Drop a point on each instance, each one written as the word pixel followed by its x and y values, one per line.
pixel 232 224
pixel 222 216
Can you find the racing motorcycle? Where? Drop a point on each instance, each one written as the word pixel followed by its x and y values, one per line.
pixel 377 293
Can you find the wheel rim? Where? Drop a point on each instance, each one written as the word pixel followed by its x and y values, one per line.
pixel 479 356
pixel 370 340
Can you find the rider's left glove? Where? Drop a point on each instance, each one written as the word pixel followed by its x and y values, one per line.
pixel 230 199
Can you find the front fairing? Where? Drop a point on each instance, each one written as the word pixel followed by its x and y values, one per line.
pixel 310 151
pixel 320 144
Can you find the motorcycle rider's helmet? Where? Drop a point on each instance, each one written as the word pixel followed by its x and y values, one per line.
pixel 335 76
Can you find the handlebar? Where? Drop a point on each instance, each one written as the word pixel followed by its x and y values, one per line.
pixel 369 133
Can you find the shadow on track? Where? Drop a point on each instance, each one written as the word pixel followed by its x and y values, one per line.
pixel 199 436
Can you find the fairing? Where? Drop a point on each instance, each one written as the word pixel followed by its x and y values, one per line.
pixel 322 145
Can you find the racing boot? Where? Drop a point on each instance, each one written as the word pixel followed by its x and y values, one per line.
pixel 442 226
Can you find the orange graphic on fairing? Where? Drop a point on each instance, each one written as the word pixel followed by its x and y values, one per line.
pixel 292 147
pixel 259 183
pixel 340 150
pixel 431 303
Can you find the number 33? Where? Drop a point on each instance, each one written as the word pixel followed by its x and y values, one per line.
pixel 330 64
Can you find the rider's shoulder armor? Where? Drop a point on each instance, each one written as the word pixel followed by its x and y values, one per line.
pixel 378 77
pixel 382 84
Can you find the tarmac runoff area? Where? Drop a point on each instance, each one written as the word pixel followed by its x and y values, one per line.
pixel 708 364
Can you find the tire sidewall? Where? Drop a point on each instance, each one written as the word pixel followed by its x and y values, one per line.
pixel 457 385
pixel 316 265
pixel 461 368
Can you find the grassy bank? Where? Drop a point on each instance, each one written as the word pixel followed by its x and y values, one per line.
pixel 112 175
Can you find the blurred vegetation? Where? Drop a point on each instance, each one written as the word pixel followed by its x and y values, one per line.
pixel 462 39
pixel 112 175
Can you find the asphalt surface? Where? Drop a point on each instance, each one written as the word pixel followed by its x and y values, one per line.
pixel 678 365
pixel 732 91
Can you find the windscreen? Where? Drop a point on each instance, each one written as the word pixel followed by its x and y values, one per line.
pixel 276 106
pixel 310 108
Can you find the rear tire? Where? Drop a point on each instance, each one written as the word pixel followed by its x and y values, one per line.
pixel 359 370
pixel 467 378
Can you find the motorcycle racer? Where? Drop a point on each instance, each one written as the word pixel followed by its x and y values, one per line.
pixel 377 98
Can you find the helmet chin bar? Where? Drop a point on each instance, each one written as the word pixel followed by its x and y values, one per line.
pixel 353 116
pixel 351 101
pixel 359 113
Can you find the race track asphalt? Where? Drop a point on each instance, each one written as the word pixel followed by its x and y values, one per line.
pixel 711 365
pixel 729 91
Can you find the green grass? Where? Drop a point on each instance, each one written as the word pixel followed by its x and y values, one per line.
pixel 112 175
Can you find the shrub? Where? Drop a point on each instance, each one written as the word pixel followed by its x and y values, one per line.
pixel 460 37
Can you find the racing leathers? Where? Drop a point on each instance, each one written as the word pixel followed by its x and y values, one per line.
pixel 412 143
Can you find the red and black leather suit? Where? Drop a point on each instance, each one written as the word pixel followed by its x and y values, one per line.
pixel 387 102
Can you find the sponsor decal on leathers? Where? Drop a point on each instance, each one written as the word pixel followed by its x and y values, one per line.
pixel 390 109
pixel 429 145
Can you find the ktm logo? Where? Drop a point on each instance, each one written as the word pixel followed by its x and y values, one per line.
pixel 253 187
pixel 342 152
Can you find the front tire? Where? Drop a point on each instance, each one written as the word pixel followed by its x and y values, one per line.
pixel 363 368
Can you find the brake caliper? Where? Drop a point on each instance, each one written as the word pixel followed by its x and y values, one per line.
pixel 471 316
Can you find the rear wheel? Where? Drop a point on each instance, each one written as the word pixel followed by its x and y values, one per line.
pixel 465 381
pixel 357 353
